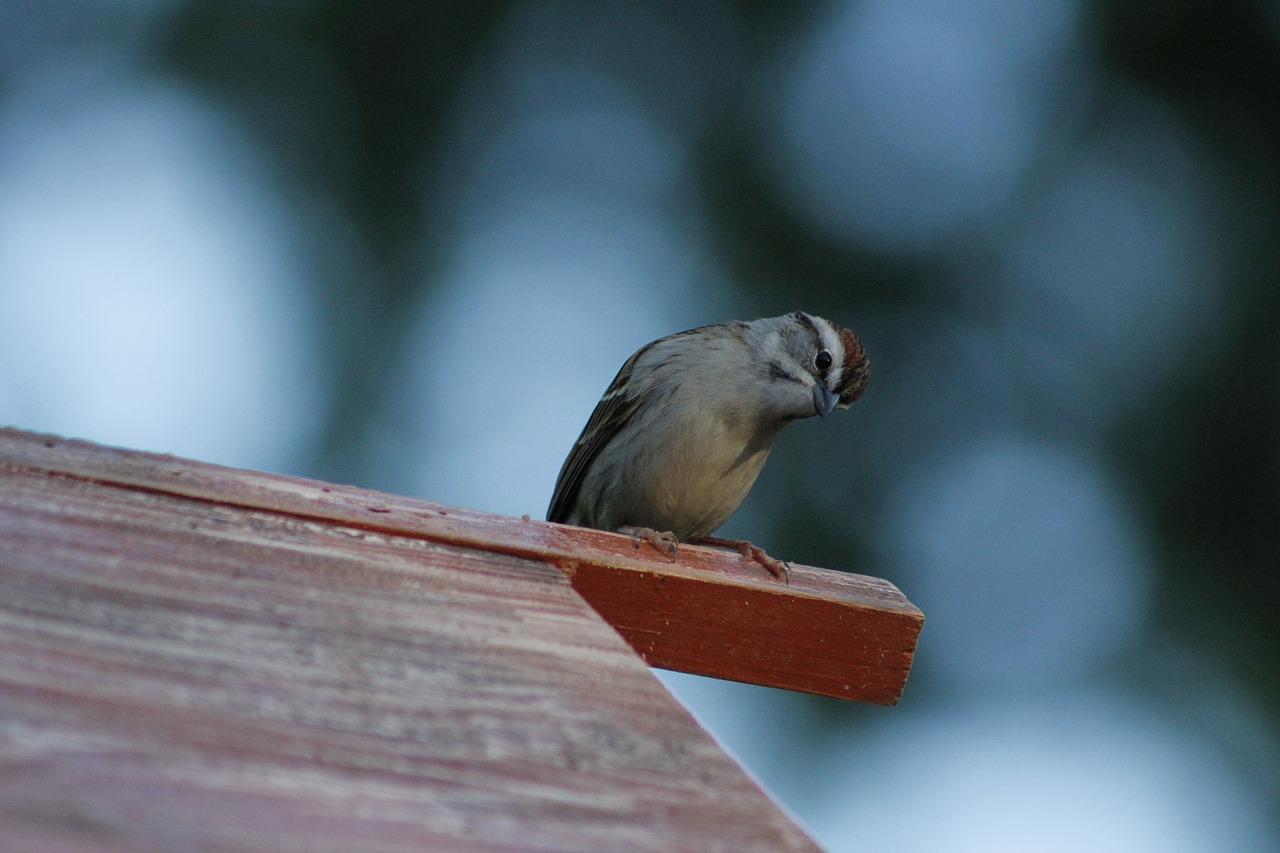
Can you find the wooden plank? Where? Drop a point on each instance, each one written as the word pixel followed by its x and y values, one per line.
pixel 831 633
pixel 183 671
pixel 819 635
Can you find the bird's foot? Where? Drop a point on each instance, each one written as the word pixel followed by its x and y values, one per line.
pixel 780 569
pixel 661 540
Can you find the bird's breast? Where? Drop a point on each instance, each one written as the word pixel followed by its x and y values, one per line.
pixel 691 478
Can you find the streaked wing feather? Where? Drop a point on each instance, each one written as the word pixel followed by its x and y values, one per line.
pixel 610 416
pixel 611 413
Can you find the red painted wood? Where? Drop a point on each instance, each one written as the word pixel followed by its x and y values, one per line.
pixel 198 658
pixel 831 633
pixel 843 643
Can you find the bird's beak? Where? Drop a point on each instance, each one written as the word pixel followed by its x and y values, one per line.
pixel 824 402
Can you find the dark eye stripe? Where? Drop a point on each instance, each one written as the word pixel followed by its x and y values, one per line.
pixel 826 335
pixel 812 326
pixel 777 372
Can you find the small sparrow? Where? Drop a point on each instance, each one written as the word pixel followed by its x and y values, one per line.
pixel 677 440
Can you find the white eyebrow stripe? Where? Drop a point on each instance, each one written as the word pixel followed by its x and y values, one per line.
pixel 831 342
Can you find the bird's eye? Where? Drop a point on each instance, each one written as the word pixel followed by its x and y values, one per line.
pixel 823 360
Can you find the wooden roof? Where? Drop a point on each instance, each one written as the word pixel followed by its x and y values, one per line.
pixel 195 657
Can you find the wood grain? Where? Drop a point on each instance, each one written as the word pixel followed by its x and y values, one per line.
pixel 830 633
pixel 194 658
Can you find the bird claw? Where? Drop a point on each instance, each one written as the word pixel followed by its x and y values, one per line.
pixel 660 540
pixel 780 569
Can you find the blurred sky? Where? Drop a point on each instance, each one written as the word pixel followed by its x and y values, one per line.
pixel 409 246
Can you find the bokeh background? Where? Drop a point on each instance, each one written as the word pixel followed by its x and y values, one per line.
pixel 407 245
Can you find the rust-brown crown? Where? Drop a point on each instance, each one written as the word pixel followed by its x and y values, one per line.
pixel 857 369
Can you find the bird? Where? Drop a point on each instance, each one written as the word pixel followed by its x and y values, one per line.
pixel 682 432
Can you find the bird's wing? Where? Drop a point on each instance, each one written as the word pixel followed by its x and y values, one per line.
pixel 612 413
